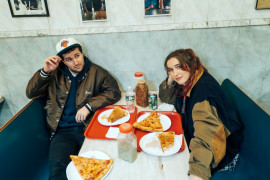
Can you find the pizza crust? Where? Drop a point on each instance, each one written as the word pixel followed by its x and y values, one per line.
pixel 144 128
pixel 105 170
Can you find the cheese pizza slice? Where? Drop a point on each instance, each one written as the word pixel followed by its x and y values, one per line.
pixel 116 114
pixel 166 140
pixel 151 123
pixel 90 168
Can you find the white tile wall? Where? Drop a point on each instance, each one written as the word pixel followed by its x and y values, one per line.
pixel 128 16
pixel 129 42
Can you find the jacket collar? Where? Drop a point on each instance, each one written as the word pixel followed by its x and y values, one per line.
pixel 198 75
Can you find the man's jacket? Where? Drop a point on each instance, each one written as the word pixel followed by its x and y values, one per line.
pixel 96 88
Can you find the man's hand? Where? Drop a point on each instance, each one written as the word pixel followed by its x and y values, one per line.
pixel 82 114
pixel 51 63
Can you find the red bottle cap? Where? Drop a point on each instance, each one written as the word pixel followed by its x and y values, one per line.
pixel 138 74
pixel 125 128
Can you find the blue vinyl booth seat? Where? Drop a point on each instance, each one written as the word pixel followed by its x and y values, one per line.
pixel 24 141
pixel 254 159
pixel 24 146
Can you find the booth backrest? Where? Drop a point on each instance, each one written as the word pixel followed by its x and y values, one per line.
pixel 25 144
pixel 254 161
pixel 25 141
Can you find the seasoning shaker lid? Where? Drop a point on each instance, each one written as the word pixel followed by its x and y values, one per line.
pixel 125 128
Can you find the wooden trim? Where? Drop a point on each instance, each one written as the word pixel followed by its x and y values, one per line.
pixel 262 4
pixel 14 117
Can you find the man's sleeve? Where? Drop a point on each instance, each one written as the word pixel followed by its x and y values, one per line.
pixel 38 84
pixel 109 93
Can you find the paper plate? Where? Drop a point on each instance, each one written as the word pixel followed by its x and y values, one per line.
pixel 164 120
pixel 103 118
pixel 73 174
pixel 150 144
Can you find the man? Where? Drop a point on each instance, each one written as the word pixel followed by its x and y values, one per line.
pixel 30 4
pixel 150 7
pixel 74 88
pixel 89 4
pixel 150 4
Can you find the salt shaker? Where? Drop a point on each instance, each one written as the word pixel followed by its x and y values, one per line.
pixel 127 143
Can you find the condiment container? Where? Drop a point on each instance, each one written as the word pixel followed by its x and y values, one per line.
pixel 141 93
pixel 137 76
pixel 127 143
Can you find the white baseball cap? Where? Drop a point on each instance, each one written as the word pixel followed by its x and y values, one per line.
pixel 65 44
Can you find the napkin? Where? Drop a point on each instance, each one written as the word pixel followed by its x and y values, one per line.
pixel 166 107
pixel 112 132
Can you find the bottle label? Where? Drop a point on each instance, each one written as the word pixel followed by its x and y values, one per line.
pixel 129 98
pixel 152 101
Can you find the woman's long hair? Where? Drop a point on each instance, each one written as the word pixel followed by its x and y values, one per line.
pixel 188 62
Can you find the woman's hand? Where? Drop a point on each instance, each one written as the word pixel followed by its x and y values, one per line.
pixel 194 177
pixel 170 81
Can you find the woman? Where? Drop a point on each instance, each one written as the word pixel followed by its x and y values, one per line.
pixel 212 131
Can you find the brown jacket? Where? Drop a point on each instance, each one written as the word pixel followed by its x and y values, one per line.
pixel 97 88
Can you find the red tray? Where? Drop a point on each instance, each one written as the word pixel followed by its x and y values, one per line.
pixel 95 130
pixel 176 126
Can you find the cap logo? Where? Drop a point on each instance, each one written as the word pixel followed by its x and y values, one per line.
pixel 64 43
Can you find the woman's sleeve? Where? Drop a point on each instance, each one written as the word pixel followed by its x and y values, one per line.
pixel 167 93
pixel 208 147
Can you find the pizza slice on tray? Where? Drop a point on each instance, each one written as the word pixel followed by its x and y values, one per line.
pixel 116 114
pixel 151 123
pixel 166 140
pixel 90 168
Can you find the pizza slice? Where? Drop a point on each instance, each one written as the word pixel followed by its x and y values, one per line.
pixel 151 123
pixel 116 114
pixel 166 140
pixel 90 168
